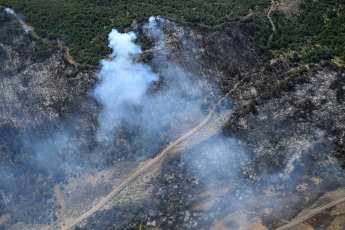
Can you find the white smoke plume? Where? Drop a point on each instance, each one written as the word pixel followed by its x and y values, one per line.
pixel 124 92
pixel 124 85
pixel 10 11
pixel 122 79
pixel 153 29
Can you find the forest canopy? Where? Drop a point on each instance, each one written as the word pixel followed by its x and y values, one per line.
pixel 83 25
pixel 315 34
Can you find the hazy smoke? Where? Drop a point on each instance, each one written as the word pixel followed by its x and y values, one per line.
pixel 152 103
pixel 154 30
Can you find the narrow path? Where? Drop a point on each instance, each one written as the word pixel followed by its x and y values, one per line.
pixel 310 214
pixel 248 15
pixel 57 190
pixel 61 201
pixel 30 29
pixel 146 167
pixel 68 57
pixel 269 18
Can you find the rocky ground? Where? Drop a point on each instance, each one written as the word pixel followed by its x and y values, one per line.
pixel 41 96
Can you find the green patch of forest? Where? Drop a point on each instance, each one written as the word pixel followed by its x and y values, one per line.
pixel 84 25
pixel 316 34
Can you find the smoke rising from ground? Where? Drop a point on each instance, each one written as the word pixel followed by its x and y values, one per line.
pixel 144 107
pixel 10 11
pixel 130 97
pixel 124 93
pixel 124 81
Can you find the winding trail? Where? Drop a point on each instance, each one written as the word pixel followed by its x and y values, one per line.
pixel 270 19
pixel 310 214
pixel 30 29
pixel 146 167
pixel 248 15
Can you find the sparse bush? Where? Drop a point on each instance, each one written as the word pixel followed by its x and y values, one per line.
pixel 337 154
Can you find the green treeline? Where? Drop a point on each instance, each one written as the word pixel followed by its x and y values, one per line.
pixel 316 34
pixel 83 25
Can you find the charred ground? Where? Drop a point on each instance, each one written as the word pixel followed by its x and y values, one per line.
pixel 280 113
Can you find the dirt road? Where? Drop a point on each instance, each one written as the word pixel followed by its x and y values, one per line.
pixel 270 19
pixel 61 201
pixel 145 167
pixel 310 214
pixel 30 29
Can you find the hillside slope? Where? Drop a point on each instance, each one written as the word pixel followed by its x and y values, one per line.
pixel 273 147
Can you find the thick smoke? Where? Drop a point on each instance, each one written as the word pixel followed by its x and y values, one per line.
pixel 124 81
pixel 130 97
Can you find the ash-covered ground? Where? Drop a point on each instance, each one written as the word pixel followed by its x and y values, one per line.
pixel 268 152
